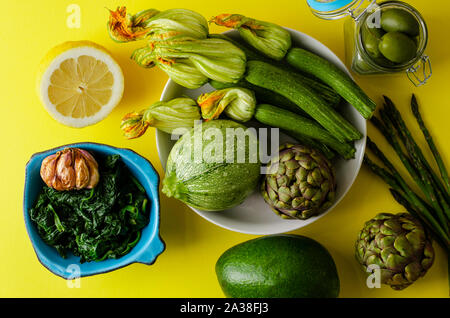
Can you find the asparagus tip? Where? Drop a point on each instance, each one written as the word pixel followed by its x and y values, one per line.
pixel 414 105
pixel 387 99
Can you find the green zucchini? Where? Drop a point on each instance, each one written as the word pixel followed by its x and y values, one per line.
pixel 325 91
pixel 302 139
pixel 330 74
pixel 286 120
pixel 263 96
pixel 282 82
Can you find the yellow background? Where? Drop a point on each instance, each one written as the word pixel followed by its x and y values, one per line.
pixel 28 29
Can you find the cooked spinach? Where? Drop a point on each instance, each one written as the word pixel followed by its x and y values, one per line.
pixel 94 224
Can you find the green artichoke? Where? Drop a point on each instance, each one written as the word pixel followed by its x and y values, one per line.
pixel 300 182
pixel 399 245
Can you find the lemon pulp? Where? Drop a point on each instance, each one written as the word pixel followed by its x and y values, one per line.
pixel 81 84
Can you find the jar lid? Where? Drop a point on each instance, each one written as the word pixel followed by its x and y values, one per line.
pixel 325 6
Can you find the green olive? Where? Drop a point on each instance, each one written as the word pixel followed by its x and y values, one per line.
pixel 397 47
pixel 399 20
pixel 382 61
pixel 370 39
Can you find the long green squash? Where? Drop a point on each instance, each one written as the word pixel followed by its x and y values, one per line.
pixel 307 141
pixel 330 74
pixel 281 118
pixel 263 96
pixel 282 82
pixel 323 90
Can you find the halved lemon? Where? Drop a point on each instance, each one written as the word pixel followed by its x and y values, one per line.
pixel 80 83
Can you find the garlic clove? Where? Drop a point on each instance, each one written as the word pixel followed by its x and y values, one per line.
pixel 81 171
pixel 92 164
pixel 65 172
pixel 48 169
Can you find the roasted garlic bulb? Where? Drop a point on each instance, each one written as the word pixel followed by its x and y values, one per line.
pixel 70 169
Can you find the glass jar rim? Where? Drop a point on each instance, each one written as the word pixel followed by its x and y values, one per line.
pixel 337 9
pixel 423 36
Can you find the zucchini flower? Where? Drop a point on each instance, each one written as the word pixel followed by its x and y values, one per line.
pixel 237 103
pixel 166 116
pixel 156 25
pixel 182 72
pixel 124 27
pixel 175 23
pixel 133 125
pixel 190 62
pixel 268 38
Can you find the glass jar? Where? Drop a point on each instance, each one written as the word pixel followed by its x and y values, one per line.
pixel 365 19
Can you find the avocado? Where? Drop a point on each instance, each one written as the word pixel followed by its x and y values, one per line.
pixel 278 266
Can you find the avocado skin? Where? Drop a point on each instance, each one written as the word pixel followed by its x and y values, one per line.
pixel 278 266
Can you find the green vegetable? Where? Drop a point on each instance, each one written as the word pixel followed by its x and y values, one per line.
pixel 94 224
pixel 268 38
pixel 263 95
pixel 155 25
pixel 282 82
pixel 326 92
pixel 397 47
pixel 429 139
pixel 412 164
pixel 300 183
pixel 183 71
pixel 434 211
pixel 251 53
pixel 423 209
pixel 167 116
pixel 399 20
pixel 370 39
pixel 406 137
pixel 237 103
pixel 269 97
pixel 176 23
pixel 190 62
pixel 399 245
pixel 124 27
pixel 213 167
pixel 278 266
pixel 333 76
pixel 307 141
pixel 277 117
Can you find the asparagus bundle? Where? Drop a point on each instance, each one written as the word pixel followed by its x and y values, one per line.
pixel 433 209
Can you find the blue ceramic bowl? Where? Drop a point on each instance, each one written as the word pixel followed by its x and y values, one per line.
pixel 146 250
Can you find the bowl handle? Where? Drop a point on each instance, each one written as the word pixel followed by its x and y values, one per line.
pixel 152 251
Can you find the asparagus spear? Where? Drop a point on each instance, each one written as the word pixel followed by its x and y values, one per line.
pixel 429 188
pixel 418 172
pixel 388 132
pixel 413 198
pixel 405 135
pixel 382 173
pixel 429 139
pixel 440 192
pixel 390 180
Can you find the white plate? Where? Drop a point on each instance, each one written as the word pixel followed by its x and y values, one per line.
pixel 254 216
